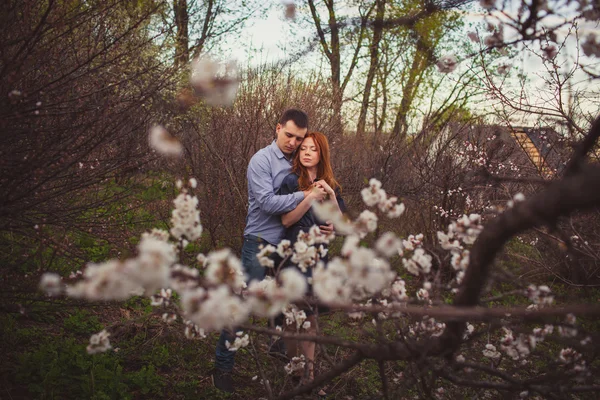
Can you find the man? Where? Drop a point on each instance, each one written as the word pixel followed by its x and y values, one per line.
pixel 266 171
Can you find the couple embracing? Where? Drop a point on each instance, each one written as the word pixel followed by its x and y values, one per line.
pixel 284 179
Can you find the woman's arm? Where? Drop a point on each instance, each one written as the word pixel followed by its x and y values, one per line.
pixel 330 192
pixel 290 218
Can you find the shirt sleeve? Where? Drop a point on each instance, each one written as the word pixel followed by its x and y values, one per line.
pixel 260 183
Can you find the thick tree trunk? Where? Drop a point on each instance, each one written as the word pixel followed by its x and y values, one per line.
pixel 374 62
pixel 415 75
pixel 182 52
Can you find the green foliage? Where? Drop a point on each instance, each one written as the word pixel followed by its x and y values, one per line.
pixel 82 322
pixel 157 355
pixel 60 368
pixel 139 303
pixel 94 249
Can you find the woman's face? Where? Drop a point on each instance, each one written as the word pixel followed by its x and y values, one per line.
pixel 309 154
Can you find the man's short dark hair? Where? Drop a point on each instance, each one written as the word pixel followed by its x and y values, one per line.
pixel 299 117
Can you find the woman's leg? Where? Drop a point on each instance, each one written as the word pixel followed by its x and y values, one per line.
pixel 307 348
pixel 291 345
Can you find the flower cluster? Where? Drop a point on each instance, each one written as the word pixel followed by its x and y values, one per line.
pixel 51 284
pixel 447 64
pixel 268 297
pixel 224 268
pixel 419 263
pixel 462 232
pixel 389 245
pixel 521 347
pixel 428 326
pixel 359 274
pixel 491 352
pixel 374 195
pixel 572 358
pixel 296 364
pixel 214 309
pixel 568 329
pixel 99 343
pixel 119 280
pixel 193 331
pixel 264 255
pixel 217 83
pixel 294 316
pixel 185 219
pixel 305 252
pixel 239 342
pixel 162 298
pixel 539 295
pixel 161 140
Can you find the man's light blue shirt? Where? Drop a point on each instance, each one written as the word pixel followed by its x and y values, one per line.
pixel 266 171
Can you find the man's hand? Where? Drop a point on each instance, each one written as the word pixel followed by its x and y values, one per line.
pixel 326 229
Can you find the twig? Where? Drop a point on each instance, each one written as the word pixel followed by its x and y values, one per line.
pixel 263 377
pixel 384 380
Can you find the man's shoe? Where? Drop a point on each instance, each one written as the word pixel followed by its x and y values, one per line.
pixel 223 380
pixel 277 349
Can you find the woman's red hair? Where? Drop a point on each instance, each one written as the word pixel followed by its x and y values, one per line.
pixel 324 170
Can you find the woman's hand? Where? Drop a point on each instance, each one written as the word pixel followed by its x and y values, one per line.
pixel 325 186
pixel 315 193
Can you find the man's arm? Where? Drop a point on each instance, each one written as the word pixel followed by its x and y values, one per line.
pixel 260 183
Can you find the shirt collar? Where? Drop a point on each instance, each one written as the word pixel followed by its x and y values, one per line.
pixel 278 151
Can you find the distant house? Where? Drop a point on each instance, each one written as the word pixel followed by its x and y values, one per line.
pixel 528 150
pixel 544 148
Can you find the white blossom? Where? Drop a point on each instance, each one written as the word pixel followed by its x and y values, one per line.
pixel 366 222
pixel 185 218
pixel 99 342
pixel 265 298
pixel 264 254
pixel 329 211
pixel 447 64
pixel 388 244
pixel 293 284
pixel 217 83
pixel 296 364
pixel 238 343
pixel 51 284
pixel 223 267
pixel 169 318
pixel 569 330
pixel 490 351
pixel 419 263
pixel 214 309
pixel 284 248
pixel 193 331
pixel 539 295
pixel 162 141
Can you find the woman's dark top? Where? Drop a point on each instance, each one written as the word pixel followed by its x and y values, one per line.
pixel 290 185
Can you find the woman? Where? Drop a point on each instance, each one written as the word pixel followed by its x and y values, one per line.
pixel 311 167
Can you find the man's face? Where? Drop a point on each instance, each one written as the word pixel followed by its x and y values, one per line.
pixel 289 137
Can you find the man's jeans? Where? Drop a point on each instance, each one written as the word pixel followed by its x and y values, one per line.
pixel 224 359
